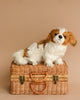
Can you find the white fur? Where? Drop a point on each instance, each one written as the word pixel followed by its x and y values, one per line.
pixel 18 58
pixel 53 52
pixel 61 30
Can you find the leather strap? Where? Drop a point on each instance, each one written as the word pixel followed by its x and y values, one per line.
pixel 43 73
pixel 38 92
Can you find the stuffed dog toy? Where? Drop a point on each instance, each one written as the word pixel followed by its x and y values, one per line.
pixel 50 50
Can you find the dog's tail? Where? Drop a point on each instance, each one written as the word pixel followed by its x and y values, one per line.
pixel 19 59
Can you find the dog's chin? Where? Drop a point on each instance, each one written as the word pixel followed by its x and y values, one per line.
pixel 57 41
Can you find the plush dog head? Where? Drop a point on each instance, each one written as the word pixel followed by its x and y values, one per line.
pixel 61 36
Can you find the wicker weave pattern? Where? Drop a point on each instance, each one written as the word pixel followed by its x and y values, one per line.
pixel 29 86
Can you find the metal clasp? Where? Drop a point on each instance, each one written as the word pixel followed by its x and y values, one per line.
pixel 22 79
pixel 55 79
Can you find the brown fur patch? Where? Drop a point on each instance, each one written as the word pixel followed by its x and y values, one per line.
pixel 41 42
pixel 66 39
pixel 70 38
pixel 52 35
pixel 49 38
pixel 25 52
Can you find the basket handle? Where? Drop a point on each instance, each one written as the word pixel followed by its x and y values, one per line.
pixel 43 73
pixel 38 92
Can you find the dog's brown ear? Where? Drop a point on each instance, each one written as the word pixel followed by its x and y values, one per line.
pixel 72 39
pixel 49 37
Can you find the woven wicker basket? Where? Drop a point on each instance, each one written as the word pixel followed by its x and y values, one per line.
pixel 29 79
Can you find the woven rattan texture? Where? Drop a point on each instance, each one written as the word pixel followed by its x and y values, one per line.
pixel 33 85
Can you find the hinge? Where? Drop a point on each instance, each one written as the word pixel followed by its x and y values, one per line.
pixel 22 79
pixel 55 79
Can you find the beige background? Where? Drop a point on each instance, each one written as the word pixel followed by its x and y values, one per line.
pixel 23 22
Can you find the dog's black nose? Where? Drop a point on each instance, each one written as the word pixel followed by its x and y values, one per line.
pixel 60 36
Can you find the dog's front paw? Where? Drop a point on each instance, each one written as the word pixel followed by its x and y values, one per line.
pixel 59 62
pixel 49 65
pixel 34 63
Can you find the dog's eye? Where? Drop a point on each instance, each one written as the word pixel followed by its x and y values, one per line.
pixel 65 37
pixel 55 34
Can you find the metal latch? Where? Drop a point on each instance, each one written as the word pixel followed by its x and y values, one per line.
pixel 55 79
pixel 22 79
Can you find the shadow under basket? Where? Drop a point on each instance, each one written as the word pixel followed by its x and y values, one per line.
pixel 39 79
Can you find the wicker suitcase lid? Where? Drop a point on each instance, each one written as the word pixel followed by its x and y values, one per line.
pixel 40 68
